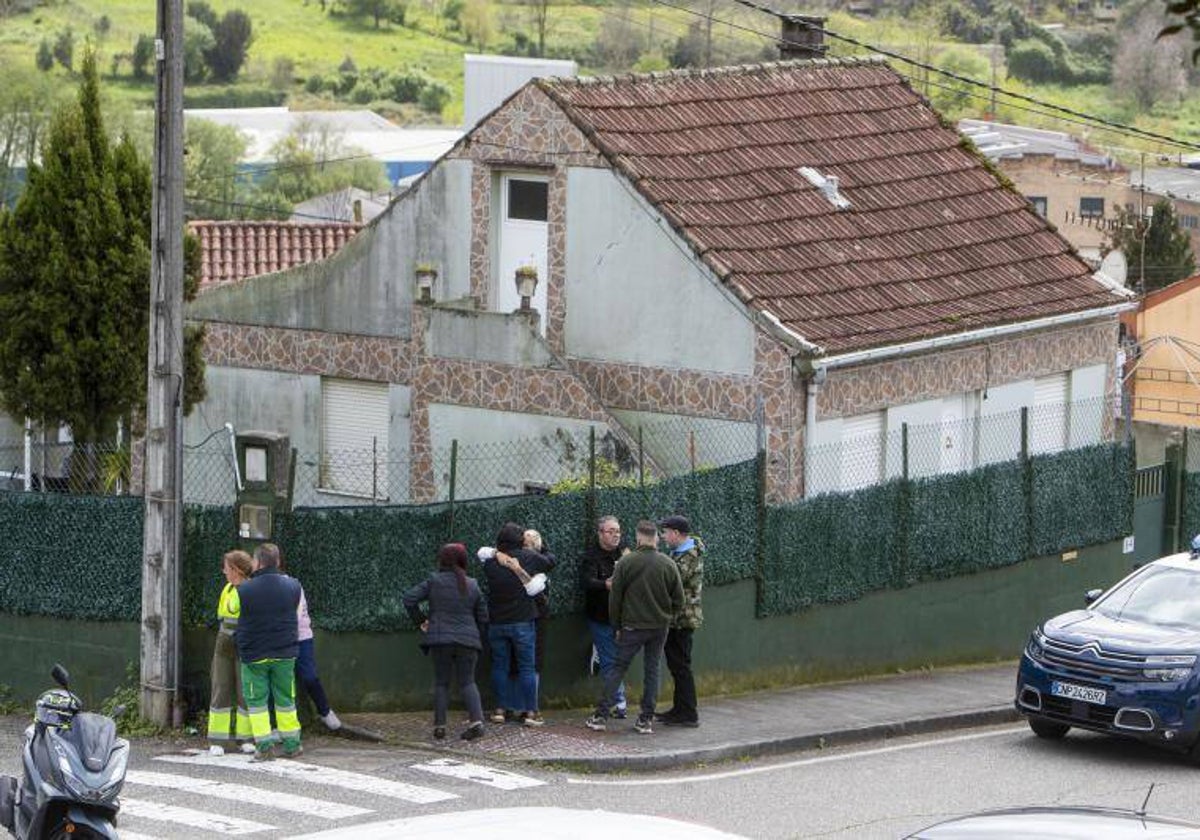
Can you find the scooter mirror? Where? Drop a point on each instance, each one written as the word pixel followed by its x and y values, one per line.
pixel 60 675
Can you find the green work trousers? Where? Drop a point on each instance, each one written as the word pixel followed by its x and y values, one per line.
pixel 274 679
pixel 228 717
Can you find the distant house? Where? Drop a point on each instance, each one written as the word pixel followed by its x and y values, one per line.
pixel 1164 363
pixel 1080 189
pixel 802 244
pixel 402 151
pixel 349 205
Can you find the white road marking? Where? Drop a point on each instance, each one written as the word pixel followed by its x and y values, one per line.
pixel 133 835
pixel 501 779
pixel 214 823
pixel 802 762
pixel 283 768
pixel 250 795
pixel 523 823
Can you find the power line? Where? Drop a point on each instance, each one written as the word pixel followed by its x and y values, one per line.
pixel 1093 121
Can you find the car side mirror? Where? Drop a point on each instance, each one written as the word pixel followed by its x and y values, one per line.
pixel 1091 595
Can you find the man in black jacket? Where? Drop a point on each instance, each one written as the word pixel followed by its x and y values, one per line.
pixel 599 561
pixel 267 647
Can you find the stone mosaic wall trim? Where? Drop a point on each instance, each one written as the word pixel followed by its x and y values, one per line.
pixel 371 358
pixel 871 387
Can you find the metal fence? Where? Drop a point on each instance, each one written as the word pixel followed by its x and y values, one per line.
pixel 874 449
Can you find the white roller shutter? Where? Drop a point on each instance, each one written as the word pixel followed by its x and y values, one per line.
pixel 862 450
pixel 354 436
pixel 1049 415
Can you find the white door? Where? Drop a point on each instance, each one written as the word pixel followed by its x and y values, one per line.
pixel 955 439
pixel 524 239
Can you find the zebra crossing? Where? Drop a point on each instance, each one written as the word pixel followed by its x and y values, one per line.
pixel 230 796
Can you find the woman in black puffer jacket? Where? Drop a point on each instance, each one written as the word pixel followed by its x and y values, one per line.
pixel 453 631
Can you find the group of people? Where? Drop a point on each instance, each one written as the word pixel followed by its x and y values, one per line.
pixel 264 642
pixel 637 600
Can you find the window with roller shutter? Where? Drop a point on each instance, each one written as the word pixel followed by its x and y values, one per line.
pixel 354 437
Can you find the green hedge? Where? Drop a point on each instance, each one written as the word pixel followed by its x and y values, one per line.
pixel 1081 497
pixel 71 556
pixel 831 549
pixel 1191 507
pixel 960 524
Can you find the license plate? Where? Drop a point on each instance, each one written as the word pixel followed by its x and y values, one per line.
pixel 1079 692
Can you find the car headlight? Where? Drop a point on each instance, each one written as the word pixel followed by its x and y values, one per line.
pixel 1168 668
pixel 1033 649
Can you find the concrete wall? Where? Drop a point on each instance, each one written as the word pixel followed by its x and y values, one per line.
pixel 367 288
pixel 715 443
pixel 1165 386
pixel 635 296
pixel 502 450
pixel 483 336
pixel 236 395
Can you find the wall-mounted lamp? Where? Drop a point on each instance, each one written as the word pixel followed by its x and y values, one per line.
pixel 426 275
pixel 526 278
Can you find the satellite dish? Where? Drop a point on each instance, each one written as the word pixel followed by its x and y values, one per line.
pixel 1115 268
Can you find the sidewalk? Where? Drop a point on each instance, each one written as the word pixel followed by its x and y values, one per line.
pixel 733 727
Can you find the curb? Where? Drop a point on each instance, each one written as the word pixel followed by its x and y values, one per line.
pixel 798 743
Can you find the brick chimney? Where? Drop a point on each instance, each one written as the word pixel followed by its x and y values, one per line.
pixel 802 37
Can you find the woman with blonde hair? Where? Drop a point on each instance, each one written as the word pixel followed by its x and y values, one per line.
pixel 228 719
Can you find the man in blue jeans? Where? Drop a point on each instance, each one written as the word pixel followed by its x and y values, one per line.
pixel 646 595
pixel 511 632
pixel 599 562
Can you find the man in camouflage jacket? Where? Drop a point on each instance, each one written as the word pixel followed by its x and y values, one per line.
pixel 687 553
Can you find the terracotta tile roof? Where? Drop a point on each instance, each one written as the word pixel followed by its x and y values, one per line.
pixel 231 251
pixel 931 244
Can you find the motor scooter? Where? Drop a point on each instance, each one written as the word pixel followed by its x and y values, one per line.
pixel 73 769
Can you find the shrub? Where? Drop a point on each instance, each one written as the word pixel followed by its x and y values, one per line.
pixel 347 66
pixel 406 85
pixel 45 56
pixel 364 92
pixel 314 83
pixel 1032 61
pixel 143 54
pixel 283 72
pixel 201 11
pixel 64 48
pixel 231 41
pixel 434 97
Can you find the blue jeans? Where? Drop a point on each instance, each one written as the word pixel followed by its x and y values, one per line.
pixel 507 640
pixel 605 640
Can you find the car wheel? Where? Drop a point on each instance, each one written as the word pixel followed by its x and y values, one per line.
pixel 1048 728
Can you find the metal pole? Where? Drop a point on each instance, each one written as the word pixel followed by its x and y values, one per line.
pixel 904 449
pixel 374 470
pixel 641 461
pixel 164 400
pixel 28 454
pixel 453 482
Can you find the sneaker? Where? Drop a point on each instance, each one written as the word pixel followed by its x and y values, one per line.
pixel 216 749
pixel 439 733
pixel 265 754
pixel 643 725
pixel 597 722
pixel 475 730
pixel 663 717
pixel 498 716
pixel 331 721
pixel 620 712
pixel 533 719
pixel 293 753
pixel 248 747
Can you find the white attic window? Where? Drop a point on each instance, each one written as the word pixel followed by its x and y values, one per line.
pixel 827 184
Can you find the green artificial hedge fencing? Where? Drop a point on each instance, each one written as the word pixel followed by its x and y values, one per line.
pixel 80 556
pixel 836 548
pixel 1191 507
pixel 71 556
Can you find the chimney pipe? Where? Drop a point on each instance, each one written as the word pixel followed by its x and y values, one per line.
pixel 802 37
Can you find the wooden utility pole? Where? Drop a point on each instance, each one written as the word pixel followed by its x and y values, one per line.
pixel 164 399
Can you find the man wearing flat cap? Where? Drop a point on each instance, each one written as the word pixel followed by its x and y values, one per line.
pixel 686 551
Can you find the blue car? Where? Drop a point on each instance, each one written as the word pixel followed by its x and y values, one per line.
pixel 1126 664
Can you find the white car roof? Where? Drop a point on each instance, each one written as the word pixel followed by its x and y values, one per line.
pixel 1182 560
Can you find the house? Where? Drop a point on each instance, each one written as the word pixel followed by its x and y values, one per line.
pixel 1080 189
pixel 1163 367
pixel 236 250
pixel 799 246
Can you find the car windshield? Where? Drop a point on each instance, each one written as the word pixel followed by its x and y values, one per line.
pixel 1159 595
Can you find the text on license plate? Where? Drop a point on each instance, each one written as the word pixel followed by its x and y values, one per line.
pixel 1079 692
